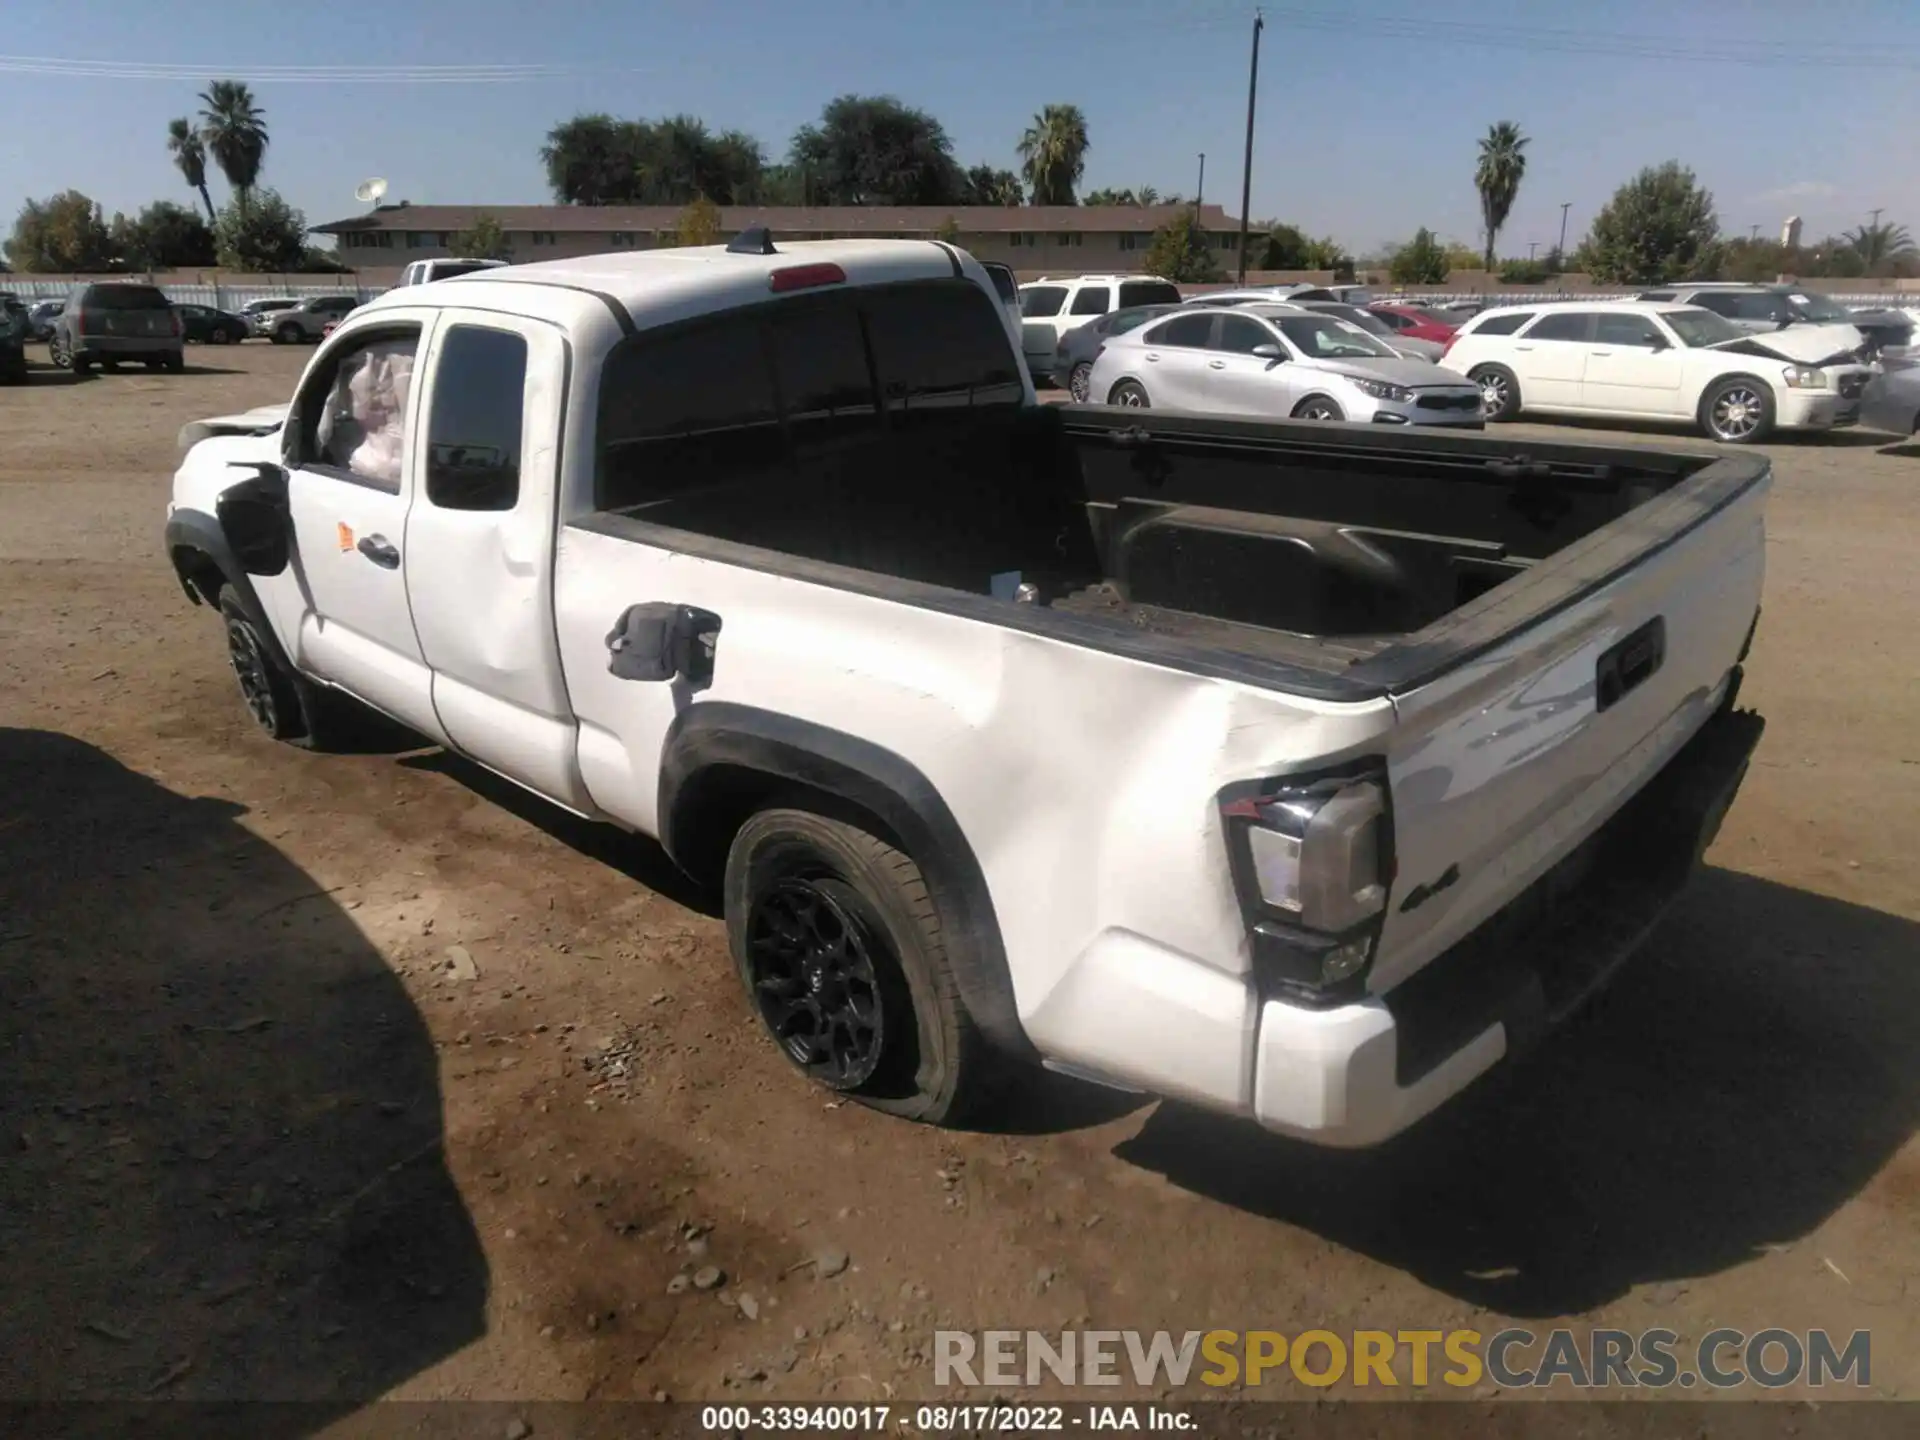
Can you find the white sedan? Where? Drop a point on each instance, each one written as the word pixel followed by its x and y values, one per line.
pixel 1637 360
pixel 1277 360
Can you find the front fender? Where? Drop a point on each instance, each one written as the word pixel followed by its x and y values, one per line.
pixel 204 563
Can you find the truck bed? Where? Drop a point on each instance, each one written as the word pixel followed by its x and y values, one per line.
pixel 1356 559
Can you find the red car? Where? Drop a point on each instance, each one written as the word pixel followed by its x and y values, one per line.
pixel 1415 323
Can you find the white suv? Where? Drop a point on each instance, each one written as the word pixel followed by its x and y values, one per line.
pixel 1050 307
pixel 425 272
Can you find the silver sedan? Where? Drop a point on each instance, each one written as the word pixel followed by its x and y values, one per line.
pixel 1277 361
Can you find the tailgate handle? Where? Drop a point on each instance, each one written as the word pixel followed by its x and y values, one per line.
pixel 1625 666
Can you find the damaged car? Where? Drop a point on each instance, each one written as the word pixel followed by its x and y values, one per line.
pixel 1639 360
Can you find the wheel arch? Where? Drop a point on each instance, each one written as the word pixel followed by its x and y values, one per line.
pixel 205 565
pixel 721 762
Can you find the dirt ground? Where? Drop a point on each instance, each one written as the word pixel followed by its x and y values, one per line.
pixel 339 1077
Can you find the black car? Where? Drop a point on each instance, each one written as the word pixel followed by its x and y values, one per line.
pixel 208 326
pixel 1073 357
pixel 14 329
pixel 111 321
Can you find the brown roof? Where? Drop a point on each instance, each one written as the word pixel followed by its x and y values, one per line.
pixel 844 219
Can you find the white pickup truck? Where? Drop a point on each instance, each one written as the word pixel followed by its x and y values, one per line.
pixel 1294 770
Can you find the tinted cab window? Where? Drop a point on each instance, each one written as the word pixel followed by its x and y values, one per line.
pixel 1502 324
pixel 125 297
pixel 1240 334
pixel 1091 300
pixel 1627 330
pixel 473 432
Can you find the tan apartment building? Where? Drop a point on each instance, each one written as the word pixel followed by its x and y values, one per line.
pixel 1032 239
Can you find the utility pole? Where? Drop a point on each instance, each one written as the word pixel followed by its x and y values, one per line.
pixel 1200 188
pixel 1753 235
pixel 1563 230
pixel 1532 246
pixel 1246 173
pixel 1876 217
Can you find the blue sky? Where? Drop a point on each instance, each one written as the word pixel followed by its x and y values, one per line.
pixel 1369 109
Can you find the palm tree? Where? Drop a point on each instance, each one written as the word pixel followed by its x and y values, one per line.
pixel 1503 162
pixel 235 132
pixel 1053 153
pixel 1878 244
pixel 190 155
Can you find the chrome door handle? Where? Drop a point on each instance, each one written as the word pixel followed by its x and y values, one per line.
pixel 1600 352
pixel 1523 347
pixel 1152 359
pixel 380 551
pixel 1216 364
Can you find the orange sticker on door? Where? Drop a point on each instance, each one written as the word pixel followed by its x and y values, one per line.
pixel 346 537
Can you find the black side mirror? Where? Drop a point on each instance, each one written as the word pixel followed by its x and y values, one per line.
pixel 1656 344
pixel 257 520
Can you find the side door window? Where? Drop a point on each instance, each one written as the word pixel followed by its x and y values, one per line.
pixel 1183 331
pixel 1091 300
pixel 1627 330
pixel 1042 302
pixel 1573 325
pixel 1240 334
pixel 350 450
pixel 475 419
pixel 351 420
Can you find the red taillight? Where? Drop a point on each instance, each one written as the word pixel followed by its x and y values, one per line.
pixel 1449 345
pixel 80 322
pixel 179 327
pixel 805 277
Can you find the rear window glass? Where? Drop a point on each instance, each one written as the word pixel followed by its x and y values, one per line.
pixel 940 346
pixel 1004 285
pixel 1148 292
pixel 1503 324
pixel 684 411
pixel 126 297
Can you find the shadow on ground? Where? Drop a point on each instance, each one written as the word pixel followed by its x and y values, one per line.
pixel 224 1175
pixel 1743 1078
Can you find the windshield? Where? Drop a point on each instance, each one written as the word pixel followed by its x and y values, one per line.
pixel 1323 337
pixel 1817 309
pixel 1700 328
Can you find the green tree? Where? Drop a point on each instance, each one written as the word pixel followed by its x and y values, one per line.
pixel 189 153
pixel 949 230
pixel 873 150
pixel 987 186
pixel 164 236
pixel 1109 197
pixel 265 235
pixel 234 130
pixel 1053 154
pixel 1497 176
pixel 699 223
pixel 1421 261
pixel 1181 251
pixel 1881 247
pixel 64 234
pixel 1659 226
pixel 1462 257
pixel 598 160
pixel 1524 272
pixel 484 241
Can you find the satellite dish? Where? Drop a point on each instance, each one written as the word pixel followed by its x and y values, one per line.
pixel 368 192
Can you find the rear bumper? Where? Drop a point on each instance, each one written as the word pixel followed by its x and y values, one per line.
pixel 121 347
pixel 1354 1075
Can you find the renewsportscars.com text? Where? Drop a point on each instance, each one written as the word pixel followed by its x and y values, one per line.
pixel 1514 1358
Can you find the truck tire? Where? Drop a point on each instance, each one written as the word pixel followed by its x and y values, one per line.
pixel 840 948
pixel 272 695
pixel 288 334
pixel 1130 394
pixel 1319 407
